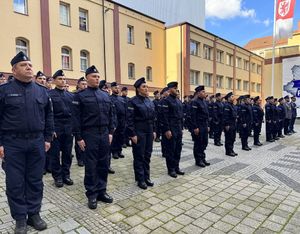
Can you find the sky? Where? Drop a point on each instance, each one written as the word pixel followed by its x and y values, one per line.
pixel 239 21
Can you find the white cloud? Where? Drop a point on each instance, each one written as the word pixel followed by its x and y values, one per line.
pixel 227 9
pixel 267 22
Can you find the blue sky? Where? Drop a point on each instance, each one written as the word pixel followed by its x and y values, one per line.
pixel 242 20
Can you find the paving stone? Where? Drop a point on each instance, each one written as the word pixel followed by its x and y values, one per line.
pixel 212 217
pixel 272 226
pixel 52 230
pixel 82 230
pixel 146 214
pixel 164 217
pixel 140 229
pixel 116 217
pixel 172 226
pixel 133 220
pixel 203 223
pixel 160 230
pixel 252 222
pixel 223 226
pixel 153 223
pixel 69 225
pixel 184 219
pixel 192 229
pixel 175 211
pixel 241 228
pixel 231 219
pixel 278 219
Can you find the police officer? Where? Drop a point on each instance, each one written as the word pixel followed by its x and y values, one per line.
pixel 141 130
pixel 121 109
pixel 41 78
pixel 229 122
pixel 210 105
pixel 81 85
pixel 156 104
pixel 281 117
pixel 275 120
pixel 258 116
pixel 200 126
pixel 124 94
pixel 288 115
pixel 93 129
pixel 269 118
pixel 26 129
pixel 246 118
pixel 49 83
pixel 63 139
pixel 172 125
pixel 217 119
pixel 294 114
pixel 2 78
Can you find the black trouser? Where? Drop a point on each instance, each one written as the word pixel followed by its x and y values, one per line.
pixel 275 129
pixel 212 129
pixel 200 143
pixel 118 140
pixel 24 164
pixel 79 153
pixel 292 123
pixel 173 150
pixel 256 132
pixel 96 161
pixel 280 126
pixel 63 143
pixel 269 133
pixel 217 133
pixel 244 133
pixel 142 155
pixel 163 144
pixel 230 136
pixel 47 162
pixel 287 126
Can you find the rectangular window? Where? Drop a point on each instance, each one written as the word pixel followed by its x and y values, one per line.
pixel 246 85
pixel 207 79
pixel 238 84
pixel 258 88
pixel 258 69
pixel 130 34
pixel 131 71
pixel 253 87
pixel 148 39
pixel 194 48
pixel 20 6
pixel 207 52
pixel 229 59
pixel 253 67
pixel 149 73
pixel 220 82
pixel 83 20
pixel 194 77
pixel 246 65
pixel 229 83
pixel 238 62
pixel 220 56
pixel 64 14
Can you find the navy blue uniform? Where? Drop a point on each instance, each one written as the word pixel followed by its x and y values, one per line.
pixel 93 122
pixel 63 142
pixel 156 106
pixel 275 122
pixel 210 106
pixel 217 120
pixel 119 134
pixel 141 116
pixel 258 117
pixel 26 122
pixel 229 120
pixel 245 121
pixel 159 117
pixel 281 118
pixel 126 138
pixel 172 120
pixel 294 116
pixel 269 110
pixel 200 120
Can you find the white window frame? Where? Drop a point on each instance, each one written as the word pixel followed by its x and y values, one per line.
pixel 84 60
pixel 68 15
pixel 149 73
pixel 65 56
pixel 220 56
pixel 148 40
pixel 207 79
pixel 130 34
pixel 194 48
pixel 220 82
pixel 23 48
pixel 245 85
pixel 82 18
pixel 24 4
pixel 207 52
pixel 239 84
pixel 194 77
pixel 131 71
pixel 229 81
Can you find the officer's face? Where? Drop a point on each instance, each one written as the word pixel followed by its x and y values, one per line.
pixel 93 80
pixel 82 85
pixel 115 89
pixel 202 94
pixel 67 87
pixel 124 93
pixel 23 71
pixel 2 80
pixel 143 90
pixel 41 80
pixel 173 91
pixel 230 99
pixel 60 82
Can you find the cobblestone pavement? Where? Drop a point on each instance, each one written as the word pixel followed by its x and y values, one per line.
pixel 256 192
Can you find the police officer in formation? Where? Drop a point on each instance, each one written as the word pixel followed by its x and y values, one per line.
pixel 156 104
pixel 2 78
pixel 62 144
pixel 281 117
pixel 124 95
pixel 26 130
pixel 93 129
pixel 172 127
pixel 258 117
pixel 294 115
pixel 217 119
pixel 141 130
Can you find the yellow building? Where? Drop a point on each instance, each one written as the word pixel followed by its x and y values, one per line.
pixel 124 45
pixel 285 49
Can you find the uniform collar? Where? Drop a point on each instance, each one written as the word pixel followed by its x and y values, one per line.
pixel 24 84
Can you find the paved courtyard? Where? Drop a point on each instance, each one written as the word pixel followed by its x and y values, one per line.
pixel 256 192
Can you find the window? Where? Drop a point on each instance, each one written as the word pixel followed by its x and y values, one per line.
pixel 238 84
pixel 207 79
pixel 83 20
pixel 207 52
pixel 22 45
pixel 20 6
pixel 148 40
pixel 66 58
pixel 84 60
pixel 131 71
pixel 220 56
pixel 149 73
pixel 246 65
pixel 253 67
pixel 64 14
pixel 194 77
pixel 253 87
pixel 238 62
pixel 258 69
pixel 246 85
pixel 258 88
pixel 220 82
pixel 229 59
pixel 194 48
pixel 229 83
pixel 130 31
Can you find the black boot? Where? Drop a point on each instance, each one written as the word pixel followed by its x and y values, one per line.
pixel 21 226
pixel 36 222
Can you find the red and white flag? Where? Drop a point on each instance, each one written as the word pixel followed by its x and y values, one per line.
pixel 284 18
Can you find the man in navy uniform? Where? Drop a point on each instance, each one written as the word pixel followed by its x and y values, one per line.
pixel 2 78
pixel 26 129
pixel 281 117
pixel 217 119
pixel 258 117
pixel 269 110
pixel 172 126
pixel 124 94
pixel 156 104
pixel 210 106
pixel 93 129
pixel 63 138
pixel 294 114
pixel 275 120
pixel 229 122
pixel 288 115
pixel 121 109
pixel 200 126
pixel 164 93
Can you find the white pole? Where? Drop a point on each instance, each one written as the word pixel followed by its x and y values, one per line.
pixel 273 49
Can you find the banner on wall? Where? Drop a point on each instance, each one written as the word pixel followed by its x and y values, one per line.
pixel 291 79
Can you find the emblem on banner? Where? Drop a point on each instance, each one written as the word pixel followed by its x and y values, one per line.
pixel 284 7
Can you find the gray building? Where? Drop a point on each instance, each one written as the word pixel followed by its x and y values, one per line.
pixel 171 11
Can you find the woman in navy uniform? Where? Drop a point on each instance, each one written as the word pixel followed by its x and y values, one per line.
pixel 141 130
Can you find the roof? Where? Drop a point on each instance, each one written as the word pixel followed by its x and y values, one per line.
pixel 264 42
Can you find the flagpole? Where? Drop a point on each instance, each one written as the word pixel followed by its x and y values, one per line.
pixel 273 49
